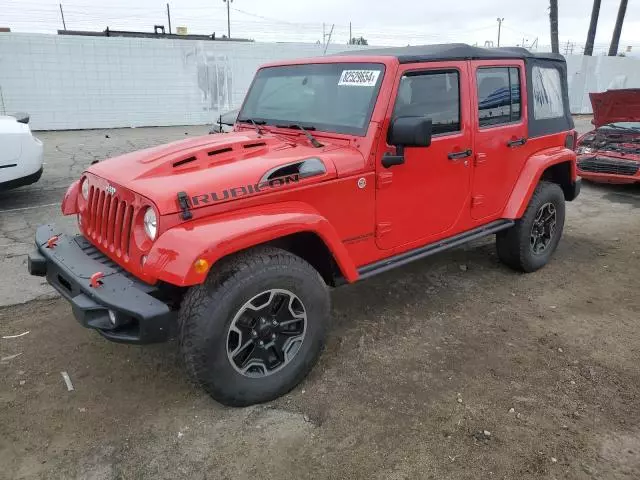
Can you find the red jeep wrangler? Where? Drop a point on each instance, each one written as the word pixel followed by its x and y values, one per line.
pixel 338 168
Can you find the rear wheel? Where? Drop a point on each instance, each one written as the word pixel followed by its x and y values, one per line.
pixel 529 244
pixel 255 329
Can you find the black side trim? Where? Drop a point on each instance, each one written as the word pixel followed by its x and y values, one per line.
pixel 9 166
pixel 21 182
pixel 437 247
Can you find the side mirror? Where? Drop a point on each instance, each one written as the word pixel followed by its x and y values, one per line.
pixel 410 132
pixel 407 132
pixel 21 117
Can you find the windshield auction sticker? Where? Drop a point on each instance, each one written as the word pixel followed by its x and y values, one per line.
pixel 359 78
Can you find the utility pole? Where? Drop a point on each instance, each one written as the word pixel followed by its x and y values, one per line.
pixel 615 40
pixel 500 20
pixel 64 25
pixel 350 35
pixel 169 18
pixel 228 2
pixel 593 24
pixel 553 24
pixel 326 45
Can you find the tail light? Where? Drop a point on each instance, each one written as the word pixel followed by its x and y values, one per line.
pixel 571 140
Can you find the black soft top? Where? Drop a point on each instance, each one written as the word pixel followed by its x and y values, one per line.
pixel 533 61
pixel 452 51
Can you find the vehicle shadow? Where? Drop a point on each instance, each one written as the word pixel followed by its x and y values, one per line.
pixel 627 194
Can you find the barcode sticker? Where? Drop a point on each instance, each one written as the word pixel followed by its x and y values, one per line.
pixel 359 78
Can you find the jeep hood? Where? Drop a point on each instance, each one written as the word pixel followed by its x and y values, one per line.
pixel 615 106
pixel 221 165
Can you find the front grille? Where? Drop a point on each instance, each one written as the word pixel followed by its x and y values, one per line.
pixel 93 253
pixel 109 220
pixel 608 165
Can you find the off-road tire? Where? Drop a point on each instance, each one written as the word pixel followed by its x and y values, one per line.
pixel 207 312
pixel 514 244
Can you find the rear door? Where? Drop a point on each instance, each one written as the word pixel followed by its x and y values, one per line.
pixel 500 139
pixel 424 197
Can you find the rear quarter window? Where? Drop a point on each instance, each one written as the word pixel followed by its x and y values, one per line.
pixel 547 93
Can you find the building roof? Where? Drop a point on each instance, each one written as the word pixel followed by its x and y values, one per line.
pixel 131 34
pixel 452 51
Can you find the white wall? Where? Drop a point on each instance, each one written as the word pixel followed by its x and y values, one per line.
pixel 68 82
pixel 597 74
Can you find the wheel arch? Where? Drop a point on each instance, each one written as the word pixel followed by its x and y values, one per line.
pixel 556 165
pixel 292 226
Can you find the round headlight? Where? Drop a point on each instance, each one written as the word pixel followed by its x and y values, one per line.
pixel 151 223
pixel 84 189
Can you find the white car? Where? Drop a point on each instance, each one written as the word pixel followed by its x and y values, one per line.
pixel 20 153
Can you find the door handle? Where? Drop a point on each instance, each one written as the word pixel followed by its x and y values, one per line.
pixel 517 142
pixel 458 155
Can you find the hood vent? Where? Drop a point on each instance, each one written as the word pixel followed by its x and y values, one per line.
pixel 303 168
pixel 219 151
pixel 255 145
pixel 183 161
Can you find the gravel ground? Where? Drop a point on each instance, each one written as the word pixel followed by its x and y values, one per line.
pixel 450 368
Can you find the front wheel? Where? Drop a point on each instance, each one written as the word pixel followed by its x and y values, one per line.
pixel 255 329
pixel 529 244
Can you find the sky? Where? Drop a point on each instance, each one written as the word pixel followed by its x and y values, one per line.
pixel 388 22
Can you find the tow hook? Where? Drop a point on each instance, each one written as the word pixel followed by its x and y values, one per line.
pixel 53 241
pixel 95 280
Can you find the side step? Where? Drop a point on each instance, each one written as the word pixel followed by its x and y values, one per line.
pixel 437 247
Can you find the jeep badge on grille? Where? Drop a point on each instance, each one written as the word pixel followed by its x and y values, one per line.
pixel 111 190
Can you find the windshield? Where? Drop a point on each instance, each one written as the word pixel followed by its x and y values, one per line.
pixel 333 97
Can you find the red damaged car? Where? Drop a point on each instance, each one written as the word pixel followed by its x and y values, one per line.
pixel 611 152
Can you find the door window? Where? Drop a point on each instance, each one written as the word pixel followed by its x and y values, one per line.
pixel 498 95
pixel 435 95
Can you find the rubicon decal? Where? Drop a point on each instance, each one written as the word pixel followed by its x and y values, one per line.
pixel 243 191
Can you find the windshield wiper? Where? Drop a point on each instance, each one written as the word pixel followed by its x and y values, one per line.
pixel 253 122
pixel 311 138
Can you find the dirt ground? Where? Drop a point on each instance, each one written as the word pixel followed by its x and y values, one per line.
pixel 453 367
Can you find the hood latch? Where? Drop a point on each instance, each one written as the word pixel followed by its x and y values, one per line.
pixel 183 201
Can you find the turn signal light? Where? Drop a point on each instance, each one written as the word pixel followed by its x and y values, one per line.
pixel 201 265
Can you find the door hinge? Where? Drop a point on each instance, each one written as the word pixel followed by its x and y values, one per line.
pixel 383 228
pixel 477 200
pixel 384 179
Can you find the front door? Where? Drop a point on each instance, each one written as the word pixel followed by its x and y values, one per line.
pixel 424 197
pixel 500 139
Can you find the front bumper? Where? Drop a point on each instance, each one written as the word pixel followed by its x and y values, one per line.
pixel 141 317
pixel 22 181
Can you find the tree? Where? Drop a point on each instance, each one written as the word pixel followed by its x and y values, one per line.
pixel 553 21
pixel 358 41
pixel 591 35
pixel 615 40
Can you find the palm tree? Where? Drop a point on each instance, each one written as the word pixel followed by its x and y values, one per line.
pixel 613 48
pixel 553 20
pixel 591 35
